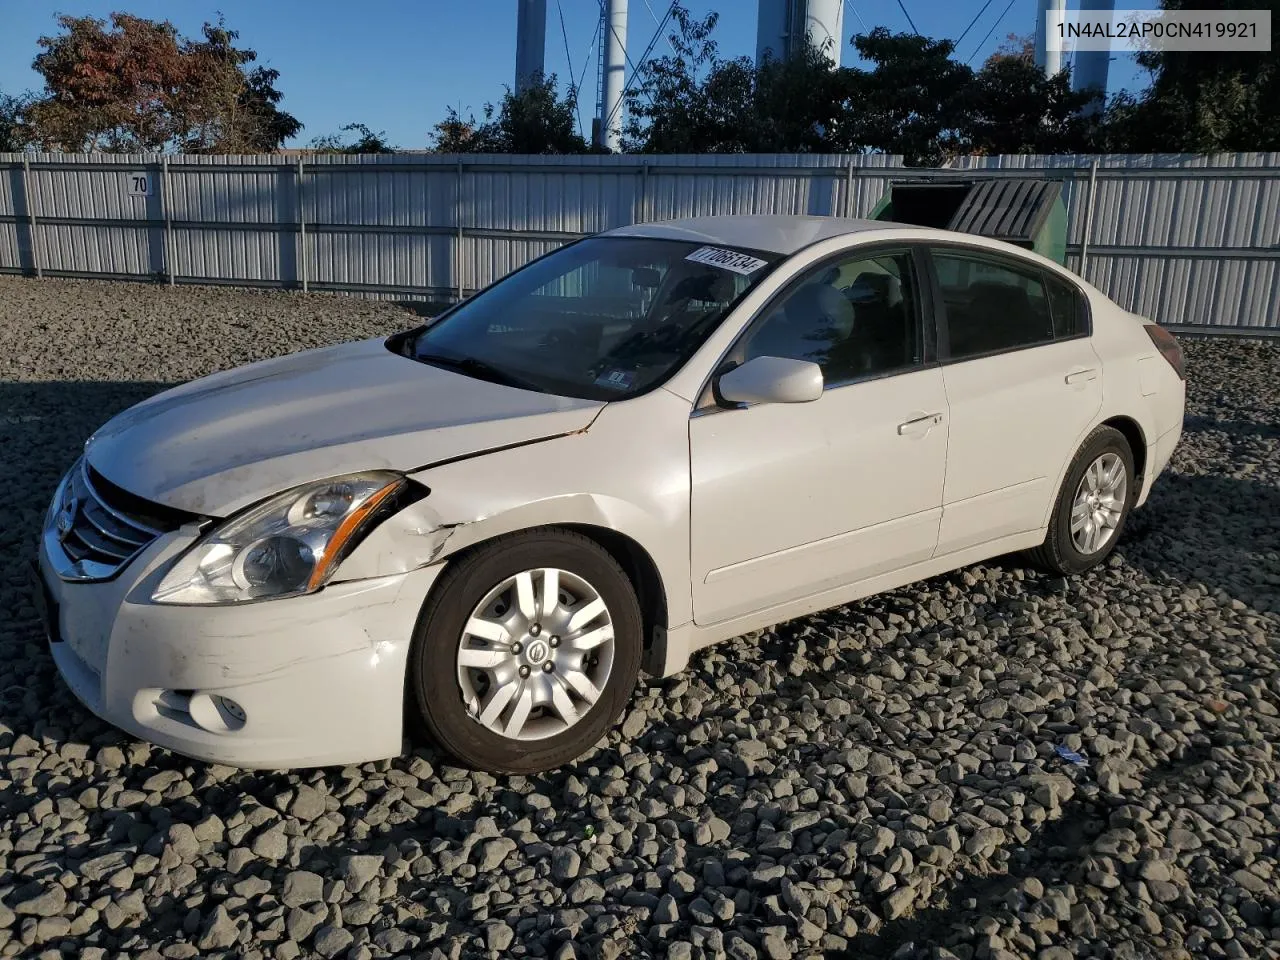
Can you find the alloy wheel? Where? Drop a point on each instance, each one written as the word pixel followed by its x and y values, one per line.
pixel 535 654
pixel 1099 503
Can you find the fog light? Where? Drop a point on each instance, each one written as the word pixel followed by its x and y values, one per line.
pixel 216 713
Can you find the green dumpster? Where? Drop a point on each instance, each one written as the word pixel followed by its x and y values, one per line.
pixel 1025 212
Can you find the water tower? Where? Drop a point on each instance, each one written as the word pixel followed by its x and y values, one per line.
pixel 1049 61
pixel 784 27
pixel 1092 66
pixel 531 41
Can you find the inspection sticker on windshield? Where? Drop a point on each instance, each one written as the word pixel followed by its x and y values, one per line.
pixel 727 260
pixel 616 379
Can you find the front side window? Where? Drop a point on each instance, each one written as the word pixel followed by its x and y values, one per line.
pixel 854 318
pixel 991 306
pixel 603 319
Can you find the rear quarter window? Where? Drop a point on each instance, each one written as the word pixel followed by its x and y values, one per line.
pixel 1068 307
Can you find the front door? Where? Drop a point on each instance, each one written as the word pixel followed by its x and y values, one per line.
pixel 791 499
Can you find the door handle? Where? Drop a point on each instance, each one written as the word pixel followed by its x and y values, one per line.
pixel 919 425
pixel 1081 375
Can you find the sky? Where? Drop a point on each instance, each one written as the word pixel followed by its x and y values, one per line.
pixel 398 65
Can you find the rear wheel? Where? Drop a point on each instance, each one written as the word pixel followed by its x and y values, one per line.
pixel 527 652
pixel 1092 506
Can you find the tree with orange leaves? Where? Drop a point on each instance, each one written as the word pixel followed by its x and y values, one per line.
pixel 137 85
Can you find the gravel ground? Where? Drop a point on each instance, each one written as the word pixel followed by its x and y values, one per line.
pixel 878 780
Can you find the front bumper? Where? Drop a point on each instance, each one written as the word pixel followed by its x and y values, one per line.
pixel 295 682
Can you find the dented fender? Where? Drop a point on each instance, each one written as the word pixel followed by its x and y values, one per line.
pixel 413 538
pixel 584 478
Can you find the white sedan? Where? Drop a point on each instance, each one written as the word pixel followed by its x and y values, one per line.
pixel 637 445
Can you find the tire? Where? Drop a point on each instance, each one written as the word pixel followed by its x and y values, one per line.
pixel 1061 553
pixel 440 687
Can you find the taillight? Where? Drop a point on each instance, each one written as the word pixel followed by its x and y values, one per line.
pixel 1169 348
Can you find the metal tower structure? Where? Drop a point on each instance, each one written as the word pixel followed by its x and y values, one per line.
pixel 531 41
pixel 1049 61
pixel 1092 66
pixel 607 132
pixel 783 27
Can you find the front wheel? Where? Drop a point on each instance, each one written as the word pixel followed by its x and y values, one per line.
pixel 526 653
pixel 1092 506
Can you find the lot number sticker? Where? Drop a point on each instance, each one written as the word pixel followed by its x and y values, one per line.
pixel 138 184
pixel 727 260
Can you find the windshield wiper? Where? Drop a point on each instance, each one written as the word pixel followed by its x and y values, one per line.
pixel 478 369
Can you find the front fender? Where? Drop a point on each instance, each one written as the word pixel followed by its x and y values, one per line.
pixel 629 473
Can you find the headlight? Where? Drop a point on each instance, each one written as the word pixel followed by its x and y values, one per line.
pixel 288 546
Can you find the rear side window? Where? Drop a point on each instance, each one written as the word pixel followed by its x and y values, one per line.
pixel 1068 308
pixel 990 305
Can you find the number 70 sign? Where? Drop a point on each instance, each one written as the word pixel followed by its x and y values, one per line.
pixel 139 184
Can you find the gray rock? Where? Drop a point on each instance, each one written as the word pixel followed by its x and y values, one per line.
pixel 331 941
pixel 38 900
pixel 271 844
pixel 219 930
pixel 775 947
pixel 498 936
pixel 210 829
pixel 302 887
pixel 251 887
pixel 585 890
pixel 565 863
pixel 358 870
pixel 301 921
pixel 493 852
pixel 878 765
pixel 796 899
pixel 993 709
pixel 183 841
pixel 880 841
pixel 897 903
pixel 396 941
pixel 634 725
pixel 667 911
pixel 308 804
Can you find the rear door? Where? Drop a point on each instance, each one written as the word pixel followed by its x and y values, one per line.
pixel 1023 383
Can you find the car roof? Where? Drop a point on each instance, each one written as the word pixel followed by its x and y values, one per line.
pixel 774 233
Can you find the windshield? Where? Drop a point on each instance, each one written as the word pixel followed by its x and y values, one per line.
pixel 603 319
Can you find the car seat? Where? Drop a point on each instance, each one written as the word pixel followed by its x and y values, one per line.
pixel 810 323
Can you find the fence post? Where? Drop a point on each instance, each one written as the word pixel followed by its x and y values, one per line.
pixel 644 194
pixel 170 250
pixel 457 218
pixel 29 196
pixel 849 207
pixel 1088 216
pixel 302 229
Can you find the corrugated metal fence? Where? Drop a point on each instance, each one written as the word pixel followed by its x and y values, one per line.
pixel 1185 239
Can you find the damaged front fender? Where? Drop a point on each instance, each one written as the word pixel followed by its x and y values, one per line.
pixel 419 536
pixel 628 474
pixel 412 538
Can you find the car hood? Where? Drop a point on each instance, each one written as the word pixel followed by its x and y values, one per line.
pixel 215 445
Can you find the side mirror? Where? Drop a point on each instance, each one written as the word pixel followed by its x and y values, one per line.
pixel 772 380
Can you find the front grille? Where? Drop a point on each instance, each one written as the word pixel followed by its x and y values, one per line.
pixel 100 527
